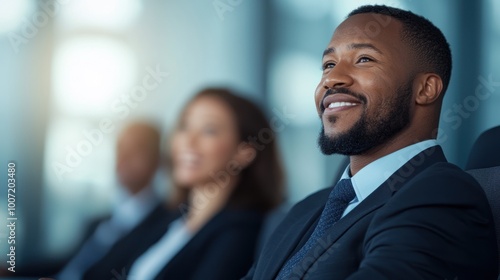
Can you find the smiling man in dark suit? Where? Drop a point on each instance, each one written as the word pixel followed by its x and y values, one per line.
pixel 400 211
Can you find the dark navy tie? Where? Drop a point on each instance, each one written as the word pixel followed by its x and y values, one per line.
pixel 337 202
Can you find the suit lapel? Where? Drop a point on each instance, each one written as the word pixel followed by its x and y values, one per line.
pixel 276 254
pixel 374 201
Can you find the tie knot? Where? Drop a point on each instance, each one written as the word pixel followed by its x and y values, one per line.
pixel 343 191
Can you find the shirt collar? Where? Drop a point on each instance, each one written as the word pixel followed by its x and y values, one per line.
pixel 377 172
pixel 131 209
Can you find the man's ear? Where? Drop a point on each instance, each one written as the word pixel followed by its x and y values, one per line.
pixel 245 154
pixel 429 87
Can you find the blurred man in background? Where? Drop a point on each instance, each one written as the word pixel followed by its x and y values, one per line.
pixel 138 218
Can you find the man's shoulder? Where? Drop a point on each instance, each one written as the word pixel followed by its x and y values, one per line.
pixel 442 181
pixel 447 175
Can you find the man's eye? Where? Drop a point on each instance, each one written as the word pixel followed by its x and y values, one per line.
pixel 365 59
pixel 327 65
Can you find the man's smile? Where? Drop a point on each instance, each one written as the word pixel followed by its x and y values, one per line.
pixel 337 102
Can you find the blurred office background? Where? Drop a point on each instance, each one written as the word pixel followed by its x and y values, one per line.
pixel 71 69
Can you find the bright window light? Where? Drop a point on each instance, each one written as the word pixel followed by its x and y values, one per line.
pixel 295 89
pixel 89 72
pixel 13 13
pixel 109 14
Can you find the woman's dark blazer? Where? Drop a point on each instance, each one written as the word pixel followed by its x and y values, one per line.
pixel 223 249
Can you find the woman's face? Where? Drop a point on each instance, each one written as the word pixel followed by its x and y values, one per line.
pixel 204 143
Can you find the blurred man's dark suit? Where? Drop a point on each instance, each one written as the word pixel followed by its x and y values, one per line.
pixel 119 239
pixel 429 220
pixel 117 261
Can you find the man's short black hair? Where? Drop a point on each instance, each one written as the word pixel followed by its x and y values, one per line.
pixel 427 41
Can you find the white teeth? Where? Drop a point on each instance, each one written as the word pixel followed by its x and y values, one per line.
pixel 341 104
pixel 189 158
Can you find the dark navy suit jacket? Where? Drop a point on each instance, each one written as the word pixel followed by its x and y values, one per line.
pixel 429 220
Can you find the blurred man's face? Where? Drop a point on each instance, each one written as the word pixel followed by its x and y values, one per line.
pixel 364 96
pixel 137 157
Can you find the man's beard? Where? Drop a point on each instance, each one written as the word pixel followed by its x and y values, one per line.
pixel 368 132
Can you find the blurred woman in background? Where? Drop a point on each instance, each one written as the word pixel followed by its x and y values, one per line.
pixel 232 181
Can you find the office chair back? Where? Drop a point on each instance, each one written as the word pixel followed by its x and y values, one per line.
pixel 486 150
pixel 489 179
